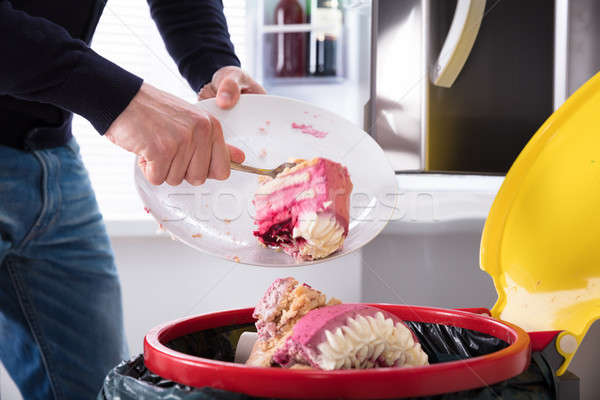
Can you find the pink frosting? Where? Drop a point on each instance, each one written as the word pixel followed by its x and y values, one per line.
pixel 277 213
pixel 309 332
pixel 309 130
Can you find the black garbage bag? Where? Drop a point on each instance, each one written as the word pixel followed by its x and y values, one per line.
pixel 442 343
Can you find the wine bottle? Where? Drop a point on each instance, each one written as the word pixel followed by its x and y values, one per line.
pixel 326 19
pixel 289 50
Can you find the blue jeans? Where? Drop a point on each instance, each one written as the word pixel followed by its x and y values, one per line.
pixel 61 320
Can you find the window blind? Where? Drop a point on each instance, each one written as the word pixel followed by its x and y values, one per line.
pixel 127 35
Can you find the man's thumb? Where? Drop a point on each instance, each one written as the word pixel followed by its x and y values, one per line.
pixel 236 155
pixel 228 93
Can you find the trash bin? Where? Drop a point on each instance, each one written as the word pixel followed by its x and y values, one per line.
pixel 467 349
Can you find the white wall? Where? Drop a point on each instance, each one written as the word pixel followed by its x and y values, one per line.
pixel 8 390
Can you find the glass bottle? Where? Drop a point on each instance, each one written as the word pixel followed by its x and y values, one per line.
pixel 326 19
pixel 289 48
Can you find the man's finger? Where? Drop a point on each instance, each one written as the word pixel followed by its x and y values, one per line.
pixel 236 154
pixel 197 170
pixel 228 92
pixel 198 167
pixel 251 86
pixel 219 160
pixel 207 92
pixel 179 165
pixel 156 171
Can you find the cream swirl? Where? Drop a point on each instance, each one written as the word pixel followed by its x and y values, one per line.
pixel 321 231
pixel 367 342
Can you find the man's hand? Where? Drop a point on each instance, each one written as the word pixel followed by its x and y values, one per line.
pixel 173 139
pixel 227 84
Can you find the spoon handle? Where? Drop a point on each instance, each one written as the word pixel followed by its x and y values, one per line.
pixel 251 170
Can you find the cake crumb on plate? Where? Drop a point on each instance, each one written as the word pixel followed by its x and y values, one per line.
pixel 309 130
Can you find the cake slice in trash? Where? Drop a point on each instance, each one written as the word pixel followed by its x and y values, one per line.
pixel 350 336
pixel 282 305
pixel 297 328
pixel 305 209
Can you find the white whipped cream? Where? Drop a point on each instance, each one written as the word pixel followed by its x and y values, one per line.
pixel 364 339
pixel 322 232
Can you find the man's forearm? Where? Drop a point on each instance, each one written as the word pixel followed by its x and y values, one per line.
pixel 196 36
pixel 43 63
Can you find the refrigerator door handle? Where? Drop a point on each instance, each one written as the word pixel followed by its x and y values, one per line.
pixel 459 42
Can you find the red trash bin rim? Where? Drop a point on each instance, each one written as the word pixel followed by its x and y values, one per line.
pixel 429 380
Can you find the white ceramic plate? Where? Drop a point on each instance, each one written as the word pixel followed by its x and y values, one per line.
pixel 216 218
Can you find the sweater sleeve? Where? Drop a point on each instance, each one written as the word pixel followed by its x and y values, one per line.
pixel 43 63
pixel 195 34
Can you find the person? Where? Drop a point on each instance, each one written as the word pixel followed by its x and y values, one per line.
pixel 61 320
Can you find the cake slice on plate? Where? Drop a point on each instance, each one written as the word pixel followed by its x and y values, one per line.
pixel 305 209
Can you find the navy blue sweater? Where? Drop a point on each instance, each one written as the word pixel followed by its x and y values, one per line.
pixel 48 72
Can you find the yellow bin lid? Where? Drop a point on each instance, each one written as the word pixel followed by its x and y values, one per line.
pixel 541 241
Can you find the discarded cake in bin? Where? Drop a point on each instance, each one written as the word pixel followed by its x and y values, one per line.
pixel 284 303
pixel 305 209
pixel 350 336
pixel 298 329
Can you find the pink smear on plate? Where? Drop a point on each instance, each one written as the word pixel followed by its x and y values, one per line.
pixel 268 122
pixel 261 129
pixel 309 130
